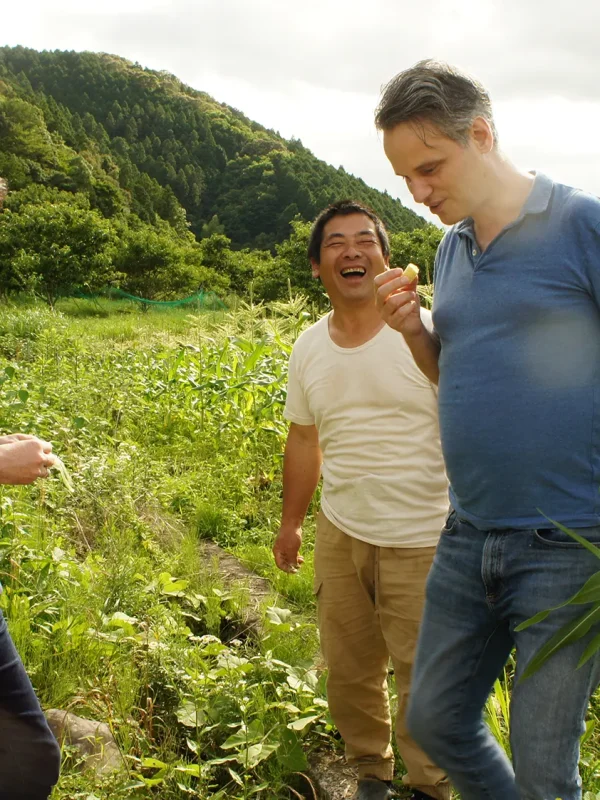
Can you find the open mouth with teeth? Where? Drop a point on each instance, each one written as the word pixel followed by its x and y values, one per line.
pixel 353 272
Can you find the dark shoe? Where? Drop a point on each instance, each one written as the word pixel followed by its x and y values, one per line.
pixel 373 789
pixel 418 795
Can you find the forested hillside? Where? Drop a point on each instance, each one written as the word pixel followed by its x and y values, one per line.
pixel 133 177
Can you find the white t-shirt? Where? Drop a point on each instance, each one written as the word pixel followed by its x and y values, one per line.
pixel 376 414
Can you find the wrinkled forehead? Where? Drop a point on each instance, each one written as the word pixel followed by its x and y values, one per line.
pixel 412 144
pixel 349 225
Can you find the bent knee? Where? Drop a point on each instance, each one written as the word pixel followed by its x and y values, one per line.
pixel 423 721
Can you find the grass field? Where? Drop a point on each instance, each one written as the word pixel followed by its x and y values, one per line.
pixel 171 427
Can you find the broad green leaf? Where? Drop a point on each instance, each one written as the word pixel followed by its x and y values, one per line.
pixel 291 754
pixel 285 706
pixel 245 736
pixel 123 622
pixel 120 617
pixel 257 753
pixel 235 776
pixel 176 587
pixel 193 746
pixel 303 722
pixel 189 715
pixel 153 763
pixel 278 616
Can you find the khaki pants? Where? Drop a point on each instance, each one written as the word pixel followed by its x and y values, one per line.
pixel 370 601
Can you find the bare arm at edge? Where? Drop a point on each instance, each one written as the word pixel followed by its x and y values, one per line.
pixel 425 348
pixel 301 473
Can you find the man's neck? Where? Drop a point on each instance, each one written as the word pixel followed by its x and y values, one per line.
pixel 353 326
pixel 507 190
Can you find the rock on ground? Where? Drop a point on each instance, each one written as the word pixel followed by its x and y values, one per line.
pixel 92 739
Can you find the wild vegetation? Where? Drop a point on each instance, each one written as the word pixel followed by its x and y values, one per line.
pixel 171 427
pixel 170 424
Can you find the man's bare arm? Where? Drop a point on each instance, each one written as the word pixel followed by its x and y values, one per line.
pixel 301 473
pixel 425 348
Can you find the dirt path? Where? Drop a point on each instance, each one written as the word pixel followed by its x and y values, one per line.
pixel 331 776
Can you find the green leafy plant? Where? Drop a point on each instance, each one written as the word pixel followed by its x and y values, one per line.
pixel 573 631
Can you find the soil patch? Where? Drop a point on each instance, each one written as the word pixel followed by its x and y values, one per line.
pixel 333 778
pixel 235 574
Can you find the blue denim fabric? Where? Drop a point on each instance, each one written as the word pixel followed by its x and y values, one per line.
pixel 29 753
pixel 482 585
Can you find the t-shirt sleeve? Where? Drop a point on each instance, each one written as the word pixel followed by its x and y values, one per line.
pixel 296 405
pixel 427 319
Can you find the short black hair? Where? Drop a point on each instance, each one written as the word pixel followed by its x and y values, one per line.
pixel 343 208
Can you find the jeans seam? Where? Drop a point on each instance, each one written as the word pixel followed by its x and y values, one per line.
pixel 459 706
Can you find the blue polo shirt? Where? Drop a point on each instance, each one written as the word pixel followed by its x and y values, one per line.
pixel 519 389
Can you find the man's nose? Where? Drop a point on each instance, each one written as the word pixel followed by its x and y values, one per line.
pixel 420 190
pixel 352 251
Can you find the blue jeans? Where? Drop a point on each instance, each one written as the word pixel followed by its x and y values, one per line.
pixel 29 753
pixel 481 586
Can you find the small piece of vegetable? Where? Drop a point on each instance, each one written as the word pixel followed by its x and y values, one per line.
pixel 411 271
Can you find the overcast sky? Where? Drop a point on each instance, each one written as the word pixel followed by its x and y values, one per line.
pixel 313 69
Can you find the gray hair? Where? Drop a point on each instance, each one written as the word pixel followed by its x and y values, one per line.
pixel 436 93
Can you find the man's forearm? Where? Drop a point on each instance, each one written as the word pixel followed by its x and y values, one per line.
pixel 425 348
pixel 301 473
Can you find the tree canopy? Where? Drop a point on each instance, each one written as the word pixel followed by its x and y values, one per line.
pixel 169 190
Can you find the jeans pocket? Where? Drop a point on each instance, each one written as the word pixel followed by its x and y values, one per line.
pixel 450 523
pixel 556 538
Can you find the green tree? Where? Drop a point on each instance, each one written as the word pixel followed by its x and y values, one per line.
pixel 157 265
pixel 212 226
pixel 289 270
pixel 55 249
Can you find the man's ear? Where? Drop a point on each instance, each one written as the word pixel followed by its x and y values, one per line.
pixel 316 272
pixel 482 135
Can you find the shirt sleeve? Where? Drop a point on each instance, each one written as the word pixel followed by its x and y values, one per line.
pixel 296 405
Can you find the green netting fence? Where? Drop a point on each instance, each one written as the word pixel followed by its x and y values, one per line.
pixel 202 299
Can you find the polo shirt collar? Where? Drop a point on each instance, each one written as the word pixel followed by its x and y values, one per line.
pixel 536 203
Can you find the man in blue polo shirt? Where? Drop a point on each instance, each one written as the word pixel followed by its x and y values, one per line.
pixel 516 353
